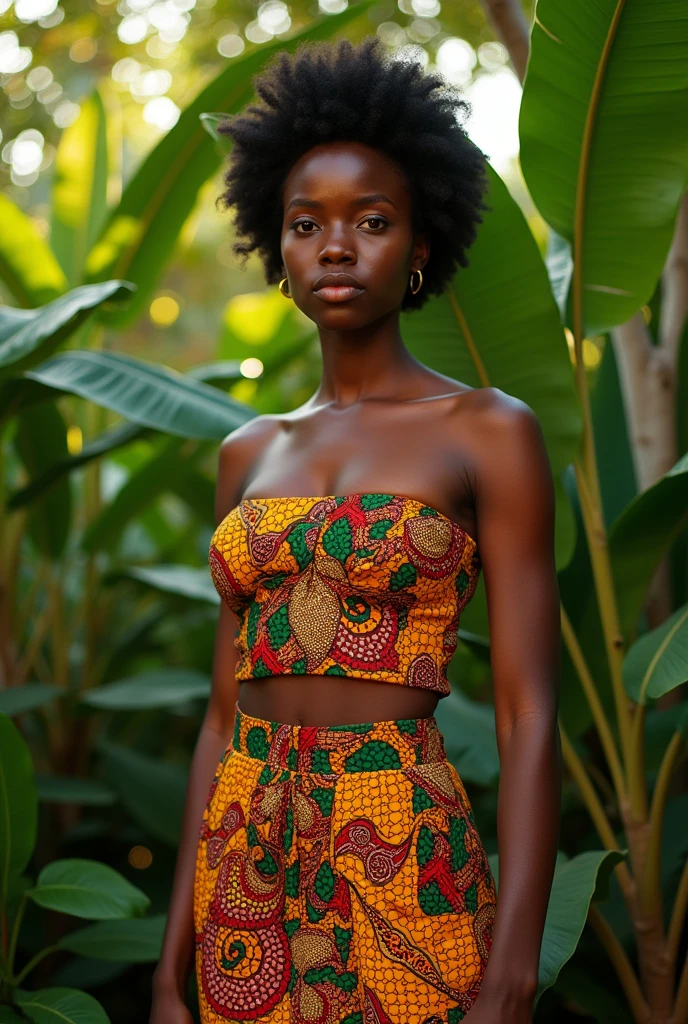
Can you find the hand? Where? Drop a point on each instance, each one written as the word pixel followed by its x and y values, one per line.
pixel 500 1007
pixel 168 1007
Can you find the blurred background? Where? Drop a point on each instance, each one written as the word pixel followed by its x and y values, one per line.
pixel 131 343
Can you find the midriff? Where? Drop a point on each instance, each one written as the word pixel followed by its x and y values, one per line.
pixel 332 700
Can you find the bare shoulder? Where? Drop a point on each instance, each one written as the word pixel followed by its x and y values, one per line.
pixel 498 422
pixel 238 452
pixel 514 481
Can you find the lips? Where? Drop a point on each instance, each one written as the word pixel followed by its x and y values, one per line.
pixel 337 287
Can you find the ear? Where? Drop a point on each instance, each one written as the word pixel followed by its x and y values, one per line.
pixel 421 250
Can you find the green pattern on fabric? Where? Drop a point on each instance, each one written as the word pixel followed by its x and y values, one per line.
pixel 293 978
pixel 455 1015
pixel 371 756
pixel 421 800
pixel 291 926
pixel 346 982
pixel 292 873
pixel 292 758
pixel 265 776
pixel 323 798
pixel 405 576
pixel 471 897
pixel 342 938
pixel 320 762
pixel 257 742
pixel 462 581
pixel 314 915
pixel 354 1018
pixel 457 841
pixel 268 864
pixel 273 582
pixel 252 623
pixel 425 845
pixel 427 511
pixel 432 901
pixel 409 726
pixel 298 667
pixel 278 627
pixel 260 669
pixel 252 837
pixel 334 670
pixel 298 546
pixel 380 529
pixel 357 729
pixel 370 501
pixel 324 882
pixel 237 733
pixel 337 540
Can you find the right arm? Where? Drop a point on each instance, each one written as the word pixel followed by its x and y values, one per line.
pixel 237 454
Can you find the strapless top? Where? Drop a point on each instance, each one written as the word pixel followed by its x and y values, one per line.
pixel 364 585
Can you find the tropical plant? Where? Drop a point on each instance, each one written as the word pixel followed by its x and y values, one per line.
pixel 75 886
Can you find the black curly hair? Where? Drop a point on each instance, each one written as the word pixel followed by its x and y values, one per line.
pixel 330 92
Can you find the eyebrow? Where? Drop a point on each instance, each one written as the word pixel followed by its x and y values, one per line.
pixel 313 204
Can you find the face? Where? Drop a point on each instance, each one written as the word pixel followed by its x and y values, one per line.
pixel 348 244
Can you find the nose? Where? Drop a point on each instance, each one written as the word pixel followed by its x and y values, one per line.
pixel 337 248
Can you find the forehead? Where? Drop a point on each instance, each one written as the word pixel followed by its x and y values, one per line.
pixel 335 169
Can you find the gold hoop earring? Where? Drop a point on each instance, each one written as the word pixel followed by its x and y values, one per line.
pixel 414 291
pixel 286 294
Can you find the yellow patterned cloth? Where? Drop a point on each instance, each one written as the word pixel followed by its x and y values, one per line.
pixel 340 879
pixel 364 585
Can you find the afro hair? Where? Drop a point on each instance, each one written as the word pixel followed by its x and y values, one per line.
pixel 328 92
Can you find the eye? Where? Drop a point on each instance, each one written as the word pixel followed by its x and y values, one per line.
pixel 308 225
pixel 376 223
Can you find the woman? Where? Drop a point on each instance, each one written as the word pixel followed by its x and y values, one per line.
pixel 331 871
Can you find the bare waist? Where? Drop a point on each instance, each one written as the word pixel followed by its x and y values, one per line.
pixel 332 700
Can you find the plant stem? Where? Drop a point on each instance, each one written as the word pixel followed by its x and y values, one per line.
pixel 649 881
pixel 678 915
pixel 591 511
pixel 596 811
pixel 15 933
pixel 32 963
pixel 622 965
pixel 595 704
pixel 680 1014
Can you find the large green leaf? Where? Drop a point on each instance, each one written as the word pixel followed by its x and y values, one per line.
pixel 134 941
pixel 144 393
pixel 469 737
pixel 79 187
pixel 109 441
pixel 41 441
pixel 658 662
pixel 152 790
pixel 178 579
pixel 156 689
pixel 576 883
pixel 15 700
pixel 640 537
pixel 61 1006
pixel 604 141
pixel 86 888
pixel 516 343
pixel 168 465
pixel 140 235
pixel 27 336
pixel 27 263
pixel 18 805
pixel 63 789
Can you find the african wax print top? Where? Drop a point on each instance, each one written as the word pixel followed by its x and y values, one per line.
pixel 364 585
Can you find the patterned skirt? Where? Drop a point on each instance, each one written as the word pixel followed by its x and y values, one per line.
pixel 340 879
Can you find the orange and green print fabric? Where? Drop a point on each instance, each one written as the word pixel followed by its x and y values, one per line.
pixel 365 585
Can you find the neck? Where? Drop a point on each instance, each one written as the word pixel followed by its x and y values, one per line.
pixel 371 362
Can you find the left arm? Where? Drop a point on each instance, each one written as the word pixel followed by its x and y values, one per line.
pixel 515 515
